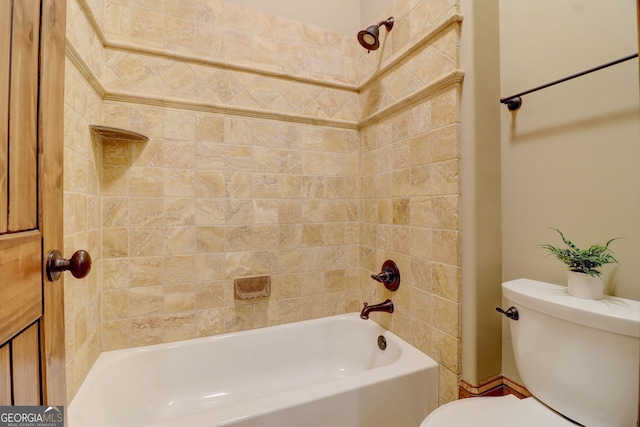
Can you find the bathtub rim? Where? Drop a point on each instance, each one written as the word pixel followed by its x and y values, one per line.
pixel 410 362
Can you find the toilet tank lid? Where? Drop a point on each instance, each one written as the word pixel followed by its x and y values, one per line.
pixel 611 314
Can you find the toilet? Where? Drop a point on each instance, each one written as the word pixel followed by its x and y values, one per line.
pixel 580 359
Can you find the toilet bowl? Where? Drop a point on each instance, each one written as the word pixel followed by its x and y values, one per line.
pixel 504 411
pixel 575 357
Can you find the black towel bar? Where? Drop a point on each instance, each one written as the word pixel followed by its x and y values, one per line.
pixel 515 101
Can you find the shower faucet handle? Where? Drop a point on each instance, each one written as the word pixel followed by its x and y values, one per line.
pixel 390 275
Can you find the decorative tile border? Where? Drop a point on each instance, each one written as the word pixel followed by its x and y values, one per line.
pixel 173 55
pixel 339 120
pixel 451 79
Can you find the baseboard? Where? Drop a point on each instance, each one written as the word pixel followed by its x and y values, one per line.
pixel 494 386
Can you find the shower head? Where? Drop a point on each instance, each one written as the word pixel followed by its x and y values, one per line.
pixel 369 38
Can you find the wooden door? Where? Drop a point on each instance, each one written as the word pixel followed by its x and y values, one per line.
pixel 32 37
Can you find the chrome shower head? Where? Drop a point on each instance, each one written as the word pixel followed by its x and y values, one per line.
pixel 369 38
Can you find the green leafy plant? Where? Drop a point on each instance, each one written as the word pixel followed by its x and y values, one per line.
pixel 583 260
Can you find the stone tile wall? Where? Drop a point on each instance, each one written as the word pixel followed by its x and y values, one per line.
pixel 275 148
pixel 82 225
pixel 218 31
pixel 410 191
pixel 410 202
pixel 212 198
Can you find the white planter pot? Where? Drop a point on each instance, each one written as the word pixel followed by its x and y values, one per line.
pixel 581 285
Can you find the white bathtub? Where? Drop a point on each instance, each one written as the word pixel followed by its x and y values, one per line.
pixel 315 373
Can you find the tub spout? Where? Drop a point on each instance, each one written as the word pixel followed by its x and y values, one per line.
pixel 386 306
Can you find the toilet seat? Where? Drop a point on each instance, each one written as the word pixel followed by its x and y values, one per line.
pixel 503 411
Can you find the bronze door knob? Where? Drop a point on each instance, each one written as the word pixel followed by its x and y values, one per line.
pixel 79 265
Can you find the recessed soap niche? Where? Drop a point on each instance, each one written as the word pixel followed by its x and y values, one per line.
pixel 252 287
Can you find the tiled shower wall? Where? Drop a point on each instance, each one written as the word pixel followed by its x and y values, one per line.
pixel 410 200
pixel 275 148
pixel 82 225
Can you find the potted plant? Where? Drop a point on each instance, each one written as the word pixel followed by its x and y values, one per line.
pixel 584 276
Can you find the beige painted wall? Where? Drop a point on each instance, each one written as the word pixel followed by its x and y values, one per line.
pixel 334 15
pixel 480 176
pixel 570 155
pixel 345 16
pixel 370 11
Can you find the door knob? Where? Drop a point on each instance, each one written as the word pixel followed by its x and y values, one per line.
pixel 79 265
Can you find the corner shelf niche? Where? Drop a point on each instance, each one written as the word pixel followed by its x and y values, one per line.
pixel 116 134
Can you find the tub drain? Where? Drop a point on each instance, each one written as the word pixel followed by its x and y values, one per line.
pixel 382 342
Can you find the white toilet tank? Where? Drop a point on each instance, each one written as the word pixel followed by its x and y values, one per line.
pixel 580 357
